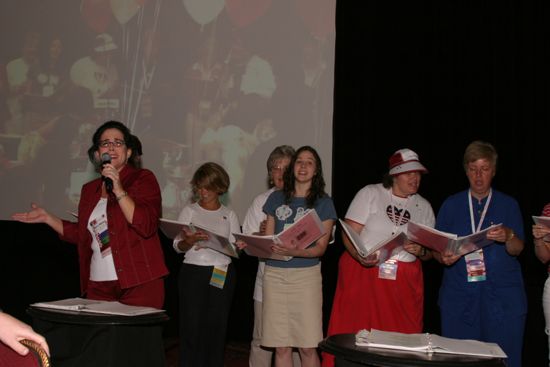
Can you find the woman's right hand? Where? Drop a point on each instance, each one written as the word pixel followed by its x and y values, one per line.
pixel 263 223
pixel 540 231
pixel 194 238
pixel 368 261
pixel 241 245
pixel 40 215
pixel 35 215
pixel 13 330
pixel 446 258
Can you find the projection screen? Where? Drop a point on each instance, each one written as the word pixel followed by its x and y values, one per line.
pixel 195 80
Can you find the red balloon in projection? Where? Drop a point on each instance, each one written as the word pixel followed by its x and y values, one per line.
pixel 318 16
pixel 97 14
pixel 244 12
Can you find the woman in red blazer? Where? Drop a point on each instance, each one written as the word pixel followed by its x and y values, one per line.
pixel 119 250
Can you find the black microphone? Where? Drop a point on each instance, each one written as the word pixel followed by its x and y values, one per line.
pixel 106 158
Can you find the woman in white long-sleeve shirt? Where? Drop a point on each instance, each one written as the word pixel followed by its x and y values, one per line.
pixel 207 278
pixel 254 223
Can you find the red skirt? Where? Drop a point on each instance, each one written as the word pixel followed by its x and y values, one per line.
pixel 364 301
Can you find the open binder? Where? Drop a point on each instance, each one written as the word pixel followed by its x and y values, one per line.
pixel 382 250
pixel 97 307
pixel 301 234
pixel 427 343
pixel 448 243
pixel 217 242
pixel 260 246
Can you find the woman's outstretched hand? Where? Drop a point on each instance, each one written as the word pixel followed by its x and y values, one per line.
pixel 37 214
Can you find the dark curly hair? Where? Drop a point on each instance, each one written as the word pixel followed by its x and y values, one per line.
pixel 129 140
pixel 317 189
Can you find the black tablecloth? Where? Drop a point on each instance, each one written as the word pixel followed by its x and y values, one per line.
pixel 80 339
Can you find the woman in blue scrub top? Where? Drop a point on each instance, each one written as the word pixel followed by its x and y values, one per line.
pixel 482 294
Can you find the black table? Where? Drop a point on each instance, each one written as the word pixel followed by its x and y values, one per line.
pixel 347 354
pixel 82 339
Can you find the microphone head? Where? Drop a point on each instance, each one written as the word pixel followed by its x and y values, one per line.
pixel 105 158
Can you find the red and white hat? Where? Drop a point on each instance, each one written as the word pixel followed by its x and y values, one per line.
pixel 405 160
pixel 104 42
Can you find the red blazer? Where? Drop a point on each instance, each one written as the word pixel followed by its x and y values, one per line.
pixel 136 248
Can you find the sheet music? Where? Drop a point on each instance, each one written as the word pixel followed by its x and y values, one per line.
pixel 96 306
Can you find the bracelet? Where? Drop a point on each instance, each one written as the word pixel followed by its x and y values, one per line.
pixel 118 198
pixel 511 236
pixel 422 252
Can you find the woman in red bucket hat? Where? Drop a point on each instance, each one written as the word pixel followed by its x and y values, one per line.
pixel 386 295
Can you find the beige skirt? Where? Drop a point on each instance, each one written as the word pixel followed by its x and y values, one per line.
pixel 292 307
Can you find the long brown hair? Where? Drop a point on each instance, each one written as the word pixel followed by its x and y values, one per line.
pixel 317 189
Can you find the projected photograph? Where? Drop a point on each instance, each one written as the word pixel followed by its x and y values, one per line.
pixel 195 81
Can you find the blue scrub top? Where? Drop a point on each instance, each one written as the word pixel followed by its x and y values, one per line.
pixel 502 294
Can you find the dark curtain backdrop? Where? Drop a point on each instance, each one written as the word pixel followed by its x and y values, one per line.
pixel 431 76
pixel 434 76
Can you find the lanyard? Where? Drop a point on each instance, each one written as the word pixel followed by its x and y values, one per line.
pixel 485 208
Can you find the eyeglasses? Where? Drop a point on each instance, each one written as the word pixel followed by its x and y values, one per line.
pixel 107 144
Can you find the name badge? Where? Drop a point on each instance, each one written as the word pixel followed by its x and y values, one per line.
pixel 101 233
pixel 388 270
pixel 475 266
pixel 219 274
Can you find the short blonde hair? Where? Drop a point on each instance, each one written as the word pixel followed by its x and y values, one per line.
pixel 211 176
pixel 280 152
pixel 480 150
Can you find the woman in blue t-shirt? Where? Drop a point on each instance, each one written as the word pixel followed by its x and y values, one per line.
pixel 292 310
